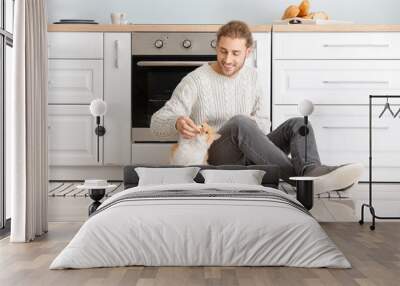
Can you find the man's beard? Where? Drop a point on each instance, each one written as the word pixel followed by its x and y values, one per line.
pixel 235 71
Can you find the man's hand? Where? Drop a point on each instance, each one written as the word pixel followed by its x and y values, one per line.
pixel 186 127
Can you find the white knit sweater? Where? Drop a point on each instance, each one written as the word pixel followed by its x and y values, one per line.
pixel 207 96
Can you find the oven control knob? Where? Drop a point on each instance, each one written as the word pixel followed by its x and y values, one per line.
pixel 186 44
pixel 213 44
pixel 159 44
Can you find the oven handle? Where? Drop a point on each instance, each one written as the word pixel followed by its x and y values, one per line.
pixel 170 63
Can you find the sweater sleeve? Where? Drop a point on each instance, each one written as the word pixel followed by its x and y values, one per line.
pixel 184 96
pixel 260 109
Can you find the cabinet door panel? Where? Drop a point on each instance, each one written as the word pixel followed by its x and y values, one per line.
pixel 117 94
pixel 260 58
pixel 75 81
pixel 75 45
pixel 72 141
pixel 342 136
pixel 333 82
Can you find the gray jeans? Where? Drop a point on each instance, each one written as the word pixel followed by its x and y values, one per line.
pixel 243 143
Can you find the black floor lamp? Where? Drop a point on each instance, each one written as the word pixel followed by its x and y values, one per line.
pixel 98 108
pixel 305 107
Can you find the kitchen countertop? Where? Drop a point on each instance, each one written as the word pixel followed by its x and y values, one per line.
pixel 214 28
pixel 144 28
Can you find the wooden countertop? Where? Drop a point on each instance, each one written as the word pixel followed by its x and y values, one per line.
pixel 336 28
pixel 214 28
pixel 144 28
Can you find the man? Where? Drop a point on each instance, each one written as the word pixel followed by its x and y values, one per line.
pixel 227 94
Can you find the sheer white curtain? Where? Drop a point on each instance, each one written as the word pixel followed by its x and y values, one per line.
pixel 28 120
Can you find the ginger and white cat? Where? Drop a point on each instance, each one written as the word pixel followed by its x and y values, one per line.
pixel 194 151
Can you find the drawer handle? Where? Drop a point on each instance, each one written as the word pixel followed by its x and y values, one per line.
pixel 355 82
pixel 116 47
pixel 255 51
pixel 355 127
pixel 356 45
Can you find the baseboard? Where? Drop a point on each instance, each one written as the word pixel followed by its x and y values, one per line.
pixel 380 191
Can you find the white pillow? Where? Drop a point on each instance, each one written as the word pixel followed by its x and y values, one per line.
pixel 163 176
pixel 249 177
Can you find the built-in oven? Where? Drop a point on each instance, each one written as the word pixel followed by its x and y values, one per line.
pixel 159 62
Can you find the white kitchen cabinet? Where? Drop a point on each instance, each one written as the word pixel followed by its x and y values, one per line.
pixel 338 72
pixel 72 140
pixel 342 134
pixel 75 81
pixel 83 67
pixel 117 95
pixel 75 45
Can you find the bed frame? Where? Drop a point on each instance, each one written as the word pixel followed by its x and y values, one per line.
pixel 270 179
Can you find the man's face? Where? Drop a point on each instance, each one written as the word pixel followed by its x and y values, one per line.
pixel 231 55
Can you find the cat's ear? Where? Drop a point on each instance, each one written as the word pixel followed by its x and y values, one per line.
pixel 217 136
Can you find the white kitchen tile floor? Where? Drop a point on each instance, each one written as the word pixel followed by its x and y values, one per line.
pixel 67 203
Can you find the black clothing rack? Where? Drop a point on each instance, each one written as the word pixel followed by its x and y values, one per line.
pixel 369 205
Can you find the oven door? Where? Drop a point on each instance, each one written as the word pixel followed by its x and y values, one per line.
pixel 154 79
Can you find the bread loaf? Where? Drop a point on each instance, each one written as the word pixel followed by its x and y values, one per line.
pixel 291 12
pixel 319 15
pixel 304 8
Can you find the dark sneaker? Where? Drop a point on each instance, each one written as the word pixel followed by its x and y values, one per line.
pixel 334 178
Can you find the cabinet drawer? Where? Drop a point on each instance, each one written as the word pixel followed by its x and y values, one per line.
pixel 75 81
pixel 342 134
pixel 64 45
pixel 336 45
pixel 72 141
pixel 333 82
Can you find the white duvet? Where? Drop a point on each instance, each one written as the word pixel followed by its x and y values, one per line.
pixel 200 231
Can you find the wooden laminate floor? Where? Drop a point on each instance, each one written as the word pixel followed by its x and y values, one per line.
pixel 374 255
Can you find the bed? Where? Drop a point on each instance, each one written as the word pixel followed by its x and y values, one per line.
pixel 201 224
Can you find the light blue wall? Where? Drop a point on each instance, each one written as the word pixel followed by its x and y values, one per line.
pixel 220 11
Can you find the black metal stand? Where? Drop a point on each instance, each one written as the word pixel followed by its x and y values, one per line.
pixel 305 193
pixel 96 195
pixel 99 131
pixel 305 188
pixel 304 132
pixel 369 205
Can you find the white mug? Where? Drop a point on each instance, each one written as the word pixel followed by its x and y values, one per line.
pixel 116 18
